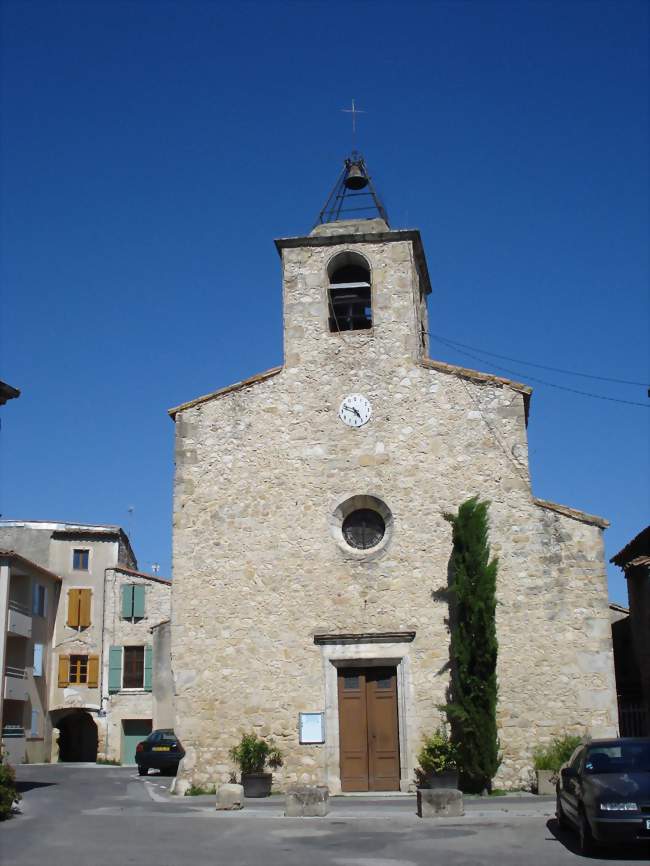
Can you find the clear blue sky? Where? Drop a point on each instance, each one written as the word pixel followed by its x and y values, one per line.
pixel 151 151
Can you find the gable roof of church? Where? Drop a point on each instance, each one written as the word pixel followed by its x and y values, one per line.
pixel 237 386
pixel 574 513
pixel 440 366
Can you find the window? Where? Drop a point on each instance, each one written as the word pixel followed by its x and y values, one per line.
pixel 133 602
pixel 79 601
pixel 349 301
pixel 39 601
pixel 133 674
pixel 78 670
pixel 363 528
pixel 80 559
pixel 362 525
pixel 129 667
pixel 35 726
pixel 38 659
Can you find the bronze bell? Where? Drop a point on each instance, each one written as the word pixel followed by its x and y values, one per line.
pixel 355 179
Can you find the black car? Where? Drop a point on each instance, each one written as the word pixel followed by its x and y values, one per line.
pixel 604 792
pixel 161 751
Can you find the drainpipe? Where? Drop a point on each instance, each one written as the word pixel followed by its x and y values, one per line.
pixel 101 670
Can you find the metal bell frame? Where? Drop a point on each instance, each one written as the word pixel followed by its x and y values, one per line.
pixel 353 182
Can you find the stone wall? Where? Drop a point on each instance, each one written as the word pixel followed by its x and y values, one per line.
pixel 163 681
pixel 259 569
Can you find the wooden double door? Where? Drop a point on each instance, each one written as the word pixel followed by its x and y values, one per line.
pixel 368 729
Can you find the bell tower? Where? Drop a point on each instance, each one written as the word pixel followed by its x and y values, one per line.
pixel 354 287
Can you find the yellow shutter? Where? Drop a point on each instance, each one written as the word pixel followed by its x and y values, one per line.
pixel 85 596
pixel 64 671
pixel 93 670
pixel 73 608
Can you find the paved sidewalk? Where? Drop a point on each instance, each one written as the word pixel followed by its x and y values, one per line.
pixel 364 806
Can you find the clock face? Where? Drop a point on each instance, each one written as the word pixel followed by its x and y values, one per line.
pixel 355 410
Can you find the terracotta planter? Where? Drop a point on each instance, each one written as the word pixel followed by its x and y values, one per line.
pixel 257 784
pixel 447 779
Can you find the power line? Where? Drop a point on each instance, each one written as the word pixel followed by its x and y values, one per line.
pixel 519 374
pixel 541 366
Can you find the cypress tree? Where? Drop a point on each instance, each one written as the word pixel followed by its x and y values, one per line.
pixel 471 709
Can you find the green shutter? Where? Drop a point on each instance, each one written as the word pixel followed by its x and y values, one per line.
pixel 115 669
pixel 127 602
pixel 147 668
pixel 138 601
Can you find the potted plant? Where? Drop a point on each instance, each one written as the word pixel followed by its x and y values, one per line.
pixel 438 762
pixel 251 755
pixel 547 761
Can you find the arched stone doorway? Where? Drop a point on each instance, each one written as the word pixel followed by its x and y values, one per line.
pixel 77 736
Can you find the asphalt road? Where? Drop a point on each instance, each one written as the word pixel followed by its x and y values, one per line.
pixel 107 816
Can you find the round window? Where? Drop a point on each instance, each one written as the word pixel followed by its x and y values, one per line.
pixel 363 528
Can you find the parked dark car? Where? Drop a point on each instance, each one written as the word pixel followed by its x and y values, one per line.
pixel 604 792
pixel 161 750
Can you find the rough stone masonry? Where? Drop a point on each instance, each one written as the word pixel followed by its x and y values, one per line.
pixel 265 473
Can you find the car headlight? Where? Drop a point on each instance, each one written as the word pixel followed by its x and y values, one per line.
pixel 618 807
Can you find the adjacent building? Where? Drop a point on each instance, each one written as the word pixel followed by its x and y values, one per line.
pixel 100 698
pixel 311 553
pixel 634 560
pixel 29 597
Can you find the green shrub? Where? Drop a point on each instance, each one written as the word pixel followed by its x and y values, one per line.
pixel 253 753
pixel 438 754
pixel 198 791
pixel 8 793
pixel 471 708
pixel 558 752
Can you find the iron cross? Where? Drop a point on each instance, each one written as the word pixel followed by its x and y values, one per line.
pixel 353 111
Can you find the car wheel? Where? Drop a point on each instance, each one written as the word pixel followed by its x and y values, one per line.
pixel 142 771
pixel 562 819
pixel 587 842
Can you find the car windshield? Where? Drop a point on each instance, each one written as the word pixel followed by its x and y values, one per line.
pixel 619 758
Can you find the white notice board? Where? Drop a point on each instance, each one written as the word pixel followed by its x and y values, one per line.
pixel 312 728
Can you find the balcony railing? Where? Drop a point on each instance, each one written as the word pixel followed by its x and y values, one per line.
pixel 21 608
pixel 13 731
pixel 15 684
pixel 13 744
pixel 19 621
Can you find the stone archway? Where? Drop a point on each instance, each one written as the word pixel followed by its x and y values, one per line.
pixel 77 736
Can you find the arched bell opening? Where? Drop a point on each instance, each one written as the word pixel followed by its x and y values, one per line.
pixel 349 293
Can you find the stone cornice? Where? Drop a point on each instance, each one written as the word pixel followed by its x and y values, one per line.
pixel 333 240
pixel 366 637
pixel 573 513
pixel 259 377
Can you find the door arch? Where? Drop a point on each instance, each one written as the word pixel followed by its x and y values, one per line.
pixel 77 737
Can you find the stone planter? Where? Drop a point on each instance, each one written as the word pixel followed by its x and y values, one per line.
pixel 447 779
pixel 307 801
pixel 257 784
pixel 546 782
pixel 440 803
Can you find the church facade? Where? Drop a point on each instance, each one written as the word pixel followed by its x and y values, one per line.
pixel 311 554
